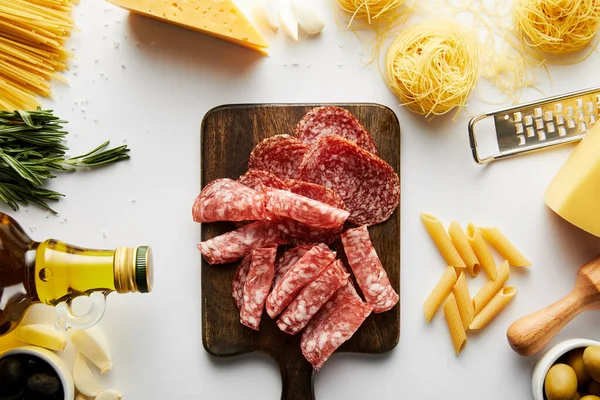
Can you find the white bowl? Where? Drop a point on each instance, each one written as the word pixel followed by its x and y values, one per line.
pixel 53 360
pixel 549 358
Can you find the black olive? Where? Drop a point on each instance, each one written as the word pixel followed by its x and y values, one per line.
pixel 43 384
pixel 11 375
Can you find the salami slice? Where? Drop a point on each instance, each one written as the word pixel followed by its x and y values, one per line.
pixel 280 155
pixel 310 299
pixel 368 185
pixel 239 280
pixel 302 209
pixel 301 274
pixel 330 120
pixel 287 260
pixel 368 270
pixel 237 244
pixel 261 180
pixel 257 286
pixel 315 192
pixel 228 200
pixel 333 325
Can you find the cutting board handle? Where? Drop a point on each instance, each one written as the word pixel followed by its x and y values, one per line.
pixel 297 382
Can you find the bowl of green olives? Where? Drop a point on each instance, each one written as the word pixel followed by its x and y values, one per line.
pixel 568 371
pixel 34 373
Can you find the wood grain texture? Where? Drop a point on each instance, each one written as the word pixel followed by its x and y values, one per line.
pixel 530 334
pixel 228 135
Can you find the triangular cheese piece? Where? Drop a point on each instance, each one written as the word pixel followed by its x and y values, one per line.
pixel 218 18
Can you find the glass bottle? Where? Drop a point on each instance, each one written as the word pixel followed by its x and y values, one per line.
pixel 54 273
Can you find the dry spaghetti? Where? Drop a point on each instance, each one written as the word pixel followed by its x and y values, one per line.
pixel 557 26
pixel 433 66
pixel 32 38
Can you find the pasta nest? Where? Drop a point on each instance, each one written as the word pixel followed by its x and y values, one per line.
pixel 369 9
pixel 557 26
pixel 432 67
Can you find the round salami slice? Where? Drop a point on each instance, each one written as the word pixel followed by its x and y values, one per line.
pixel 330 120
pixel 315 192
pixel 368 185
pixel 260 180
pixel 239 280
pixel 280 155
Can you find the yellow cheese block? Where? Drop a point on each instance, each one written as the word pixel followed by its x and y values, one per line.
pixel 574 193
pixel 218 18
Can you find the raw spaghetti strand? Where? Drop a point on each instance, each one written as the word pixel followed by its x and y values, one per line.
pixel 557 26
pixel 32 38
pixel 433 66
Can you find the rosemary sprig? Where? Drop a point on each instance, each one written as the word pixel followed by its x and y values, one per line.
pixel 32 150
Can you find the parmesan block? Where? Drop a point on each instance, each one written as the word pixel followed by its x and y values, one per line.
pixel 218 18
pixel 574 193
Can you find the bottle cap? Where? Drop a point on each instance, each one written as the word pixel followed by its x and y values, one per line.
pixel 133 269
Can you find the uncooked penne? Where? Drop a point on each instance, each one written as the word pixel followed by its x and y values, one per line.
pixel 442 240
pixel 492 309
pixel 485 257
pixel 439 293
pixel 489 290
pixel 508 250
pixel 461 244
pixel 455 326
pixel 463 300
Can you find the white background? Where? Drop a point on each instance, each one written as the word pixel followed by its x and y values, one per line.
pixel 150 84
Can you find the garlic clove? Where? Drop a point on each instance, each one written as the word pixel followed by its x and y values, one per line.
pixel 288 22
pixel 84 380
pixel 308 18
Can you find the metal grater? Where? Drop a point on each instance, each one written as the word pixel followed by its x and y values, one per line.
pixel 539 124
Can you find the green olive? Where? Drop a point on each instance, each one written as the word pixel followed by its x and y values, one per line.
pixel 575 361
pixel 590 397
pixel 591 361
pixel 560 383
pixel 593 388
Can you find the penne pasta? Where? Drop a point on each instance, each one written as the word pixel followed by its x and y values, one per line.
pixel 442 240
pixel 498 241
pixel 455 326
pixel 489 290
pixel 462 246
pixel 463 300
pixel 439 293
pixel 485 257
pixel 489 312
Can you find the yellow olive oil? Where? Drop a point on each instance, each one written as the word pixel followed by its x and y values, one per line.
pixel 51 272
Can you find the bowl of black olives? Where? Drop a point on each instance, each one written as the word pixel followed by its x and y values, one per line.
pixel 34 373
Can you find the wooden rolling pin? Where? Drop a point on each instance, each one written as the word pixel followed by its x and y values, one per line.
pixel 531 333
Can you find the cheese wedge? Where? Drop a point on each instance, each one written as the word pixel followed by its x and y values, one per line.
pixel 218 18
pixel 574 193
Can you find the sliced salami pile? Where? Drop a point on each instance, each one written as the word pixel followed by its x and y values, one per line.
pixel 300 194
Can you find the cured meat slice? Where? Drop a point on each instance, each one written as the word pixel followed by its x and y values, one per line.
pixel 237 244
pixel 310 299
pixel 331 120
pixel 239 280
pixel 301 274
pixel 301 234
pixel 333 325
pixel 260 180
pixel 228 200
pixel 287 260
pixel 302 209
pixel 257 286
pixel 280 155
pixel 315 192
pixel 368 270
pixel 368 185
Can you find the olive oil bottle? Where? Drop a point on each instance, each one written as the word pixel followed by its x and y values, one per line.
pixel 54 273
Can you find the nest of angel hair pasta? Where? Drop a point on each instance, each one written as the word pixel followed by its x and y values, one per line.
pixel 433 66
pixel 369 9
pixel 557 26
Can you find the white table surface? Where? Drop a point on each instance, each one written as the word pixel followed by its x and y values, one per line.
pixel 149 84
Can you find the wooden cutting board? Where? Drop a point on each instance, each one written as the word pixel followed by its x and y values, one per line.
pixel 228 135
